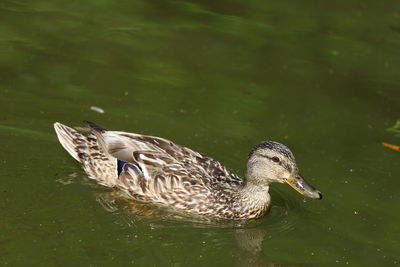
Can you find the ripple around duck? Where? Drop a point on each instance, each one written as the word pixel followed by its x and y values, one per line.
pixel 134 213
pixel 284 213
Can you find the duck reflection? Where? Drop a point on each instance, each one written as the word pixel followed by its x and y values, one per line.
pixel 250 240
pixel 249 243
pixel 249 235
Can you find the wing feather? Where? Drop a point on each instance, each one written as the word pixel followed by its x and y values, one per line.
pixel 154 150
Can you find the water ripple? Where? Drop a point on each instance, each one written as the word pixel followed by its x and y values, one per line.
pixel 284 214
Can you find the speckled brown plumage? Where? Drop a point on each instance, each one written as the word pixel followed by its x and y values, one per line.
pixel 168 174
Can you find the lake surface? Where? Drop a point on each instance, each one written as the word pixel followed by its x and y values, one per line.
pixel 218 77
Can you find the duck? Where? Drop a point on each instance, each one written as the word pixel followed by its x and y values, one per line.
pixel 158 171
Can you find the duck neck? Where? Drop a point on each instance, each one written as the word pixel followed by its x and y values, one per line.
pixel 255 190
pixel 255 198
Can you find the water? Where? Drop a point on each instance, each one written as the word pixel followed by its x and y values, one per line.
pixel 218 77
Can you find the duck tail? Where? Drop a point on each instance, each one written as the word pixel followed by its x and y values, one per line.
pixel 69 139
pixel 85 148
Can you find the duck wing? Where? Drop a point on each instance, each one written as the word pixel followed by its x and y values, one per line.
pixel 173 185
pixel 157 154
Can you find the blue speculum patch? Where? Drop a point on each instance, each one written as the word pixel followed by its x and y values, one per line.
pixel 121 164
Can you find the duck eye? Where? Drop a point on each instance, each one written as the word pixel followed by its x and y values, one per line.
pixel 275 159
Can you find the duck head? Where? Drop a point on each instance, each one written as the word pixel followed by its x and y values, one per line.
pixel 270 162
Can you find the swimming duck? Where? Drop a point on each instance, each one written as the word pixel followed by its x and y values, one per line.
pixel 156 170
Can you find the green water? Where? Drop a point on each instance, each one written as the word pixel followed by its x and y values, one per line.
pixel 216 76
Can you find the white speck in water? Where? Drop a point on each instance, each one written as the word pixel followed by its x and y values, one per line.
pixel 355 212
pixel 346 182
pixel 351 170
pixel 312 253
pixel 97 109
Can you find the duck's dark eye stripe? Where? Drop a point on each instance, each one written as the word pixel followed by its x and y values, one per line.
pixel 274 159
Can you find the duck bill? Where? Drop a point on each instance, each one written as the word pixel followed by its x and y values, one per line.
pixel 304 188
